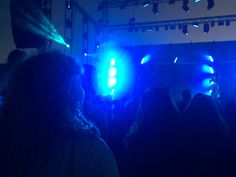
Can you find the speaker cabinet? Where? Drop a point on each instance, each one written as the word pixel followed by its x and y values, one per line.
pixel 26 17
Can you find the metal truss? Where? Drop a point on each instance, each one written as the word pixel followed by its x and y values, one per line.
pixel 126 3
pixel 175 23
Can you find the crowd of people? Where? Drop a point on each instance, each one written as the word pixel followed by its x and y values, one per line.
pixel 52 123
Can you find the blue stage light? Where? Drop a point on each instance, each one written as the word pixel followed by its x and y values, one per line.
pixel 209 58
pixel 206 83
pixel 209 92
pixel 146 3
pixel 112 82
pixel 176 59
pixel 112 72
pixel 112 91
pixel 145 59
pixel 208 69
pixel 112 61
pixel 115 72
pixel 212 71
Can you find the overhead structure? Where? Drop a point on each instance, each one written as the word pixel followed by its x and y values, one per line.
pixel 105 4
pixel 182 24
pixel 126 3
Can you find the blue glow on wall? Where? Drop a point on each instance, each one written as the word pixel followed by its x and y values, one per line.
pixel 209 58
pixel 115 71
pixel 208 69
pixel 145 59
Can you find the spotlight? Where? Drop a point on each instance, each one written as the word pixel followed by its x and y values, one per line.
pixel 146 3
pixel 208 69
pixel 185 5
pixel 212 71
pixel 180 26
pixel 68 4
pixel 209 58
pixel 145 59
pixel 210 4
pixel 197 1
pixel 212 82
pixel 68 42
pixel 196 24
pixel 149 29
pixel 206 28
pixel 212 23
pixel 97 45
pixel 185 29
pixel 112 82
pixel 221 23
pixel 112 72
pixel 85 51
pixel 113 62
pixel 176 59
pixel 227 23
pixel 155 8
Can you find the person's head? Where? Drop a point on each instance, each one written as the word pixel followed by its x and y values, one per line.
pixel 15 57
pixel 203 106
pixel 45 96
pixel 157 112
pixel 156 100
pixel 203 116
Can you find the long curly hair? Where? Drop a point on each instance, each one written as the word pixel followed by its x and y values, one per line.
pixel 43 103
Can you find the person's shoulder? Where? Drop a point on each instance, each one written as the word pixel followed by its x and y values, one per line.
pixel 95 154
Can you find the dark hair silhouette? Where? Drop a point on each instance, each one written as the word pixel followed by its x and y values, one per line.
pixel 206 138
pixel 203 117
pixel 15 57
pixel 155 140
pixel 43 103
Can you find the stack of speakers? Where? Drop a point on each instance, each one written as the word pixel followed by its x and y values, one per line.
pixel 23 13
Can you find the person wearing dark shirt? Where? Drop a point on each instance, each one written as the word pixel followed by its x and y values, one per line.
pixel 42 129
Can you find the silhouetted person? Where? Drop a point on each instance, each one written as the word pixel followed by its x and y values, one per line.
pixel 43 131
pixel 206 138
pixel 156 138
pixel 186 98
pixel 14 58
